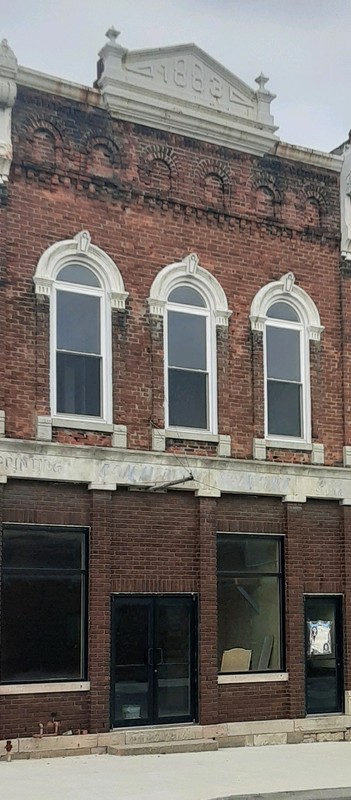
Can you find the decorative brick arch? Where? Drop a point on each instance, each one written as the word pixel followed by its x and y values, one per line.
pixel 44 139
pixel 268 198
pixel 103 153
pixel 154 155
pixel 313 195
pixel 212 183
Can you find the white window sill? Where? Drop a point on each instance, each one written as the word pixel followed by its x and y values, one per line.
pixel 45 688
pixel 288 444
pixel 254 677
pixel 191 436
pixel 82 424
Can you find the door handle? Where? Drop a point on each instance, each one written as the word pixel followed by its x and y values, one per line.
pixel 150 660
pixel 160 660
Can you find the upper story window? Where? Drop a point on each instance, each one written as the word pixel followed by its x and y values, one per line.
pixel 189 369
pixel 288 319
pixel 287 373
pixel 84 284
pixel 80 343
pixel 193 304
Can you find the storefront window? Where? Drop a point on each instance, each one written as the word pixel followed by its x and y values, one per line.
pixel 43 604
pixel 249 603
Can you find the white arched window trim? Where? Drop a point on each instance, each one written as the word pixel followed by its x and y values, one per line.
pixel 285 290
pixel 188 272
pixel 80 250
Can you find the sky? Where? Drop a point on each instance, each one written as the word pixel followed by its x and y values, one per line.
pixel 302 45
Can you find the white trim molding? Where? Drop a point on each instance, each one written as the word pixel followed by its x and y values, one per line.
pixel 80 249
pixel 189 271
pixel 254 677
pixel 286 289
pixel 44 688
pixel 2 423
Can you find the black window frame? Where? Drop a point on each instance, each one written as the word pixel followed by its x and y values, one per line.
pixel 280 574
pixel 27 571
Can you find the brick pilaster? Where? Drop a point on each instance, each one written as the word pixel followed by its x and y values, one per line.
pixel 208 666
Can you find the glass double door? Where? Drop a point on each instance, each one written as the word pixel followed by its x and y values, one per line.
pixel 153 659
pixel 324 654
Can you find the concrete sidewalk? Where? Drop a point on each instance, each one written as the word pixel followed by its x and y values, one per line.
pixel 248 772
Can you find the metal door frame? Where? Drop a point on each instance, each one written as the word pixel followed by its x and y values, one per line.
pixel 151 600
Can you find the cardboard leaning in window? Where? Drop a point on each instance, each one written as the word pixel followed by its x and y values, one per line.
pixel 319 638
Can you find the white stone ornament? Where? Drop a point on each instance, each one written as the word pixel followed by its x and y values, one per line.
pixel 8 91
pixel 179 273
pixel 345 204
pixel 182 89
pixel 191 263
pixel 275 291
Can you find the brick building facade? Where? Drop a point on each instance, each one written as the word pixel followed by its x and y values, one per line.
pixel 175 493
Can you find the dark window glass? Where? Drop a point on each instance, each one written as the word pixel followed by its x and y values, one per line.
pixel 242 554
pixel 42 549
pixel 283 354
pixel 78 322
pixel 249 603
pixel 186 341
pixel 43 606
pixel 284 408
pixel 187 392
pixel 78 384
pixel 76 273
pixel 188 296
pixel 283 311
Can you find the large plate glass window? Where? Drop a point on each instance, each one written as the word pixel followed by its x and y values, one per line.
pixel 188 347
pixel 43 604
pixel 286 371
pixel 249 603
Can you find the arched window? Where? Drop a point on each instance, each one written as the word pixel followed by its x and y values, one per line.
pixel 83 284
pixel 193 304
pixel 286 373
pixel 288 319
pixel 189 370
pixel 79 351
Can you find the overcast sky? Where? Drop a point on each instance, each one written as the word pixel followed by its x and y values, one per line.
pixel 304 46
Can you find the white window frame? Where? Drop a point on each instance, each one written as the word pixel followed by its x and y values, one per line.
pixel 80 250
pixel 286 291
pixel 188 272
pixel 272 322
pixel 105 348
pixel 211 360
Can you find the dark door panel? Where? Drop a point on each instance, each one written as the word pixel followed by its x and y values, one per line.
pixel 324 654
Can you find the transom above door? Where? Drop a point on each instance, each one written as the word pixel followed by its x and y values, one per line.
pixel 153 659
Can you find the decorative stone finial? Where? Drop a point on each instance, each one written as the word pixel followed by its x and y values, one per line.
pixel 112 35
pixel 261 80
pixel 8 60
pixel 8 90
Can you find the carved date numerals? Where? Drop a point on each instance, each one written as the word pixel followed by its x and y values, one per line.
pixel 180 73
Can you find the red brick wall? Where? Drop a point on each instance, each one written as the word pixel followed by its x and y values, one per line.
pixel 167 543
pixel 145 222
